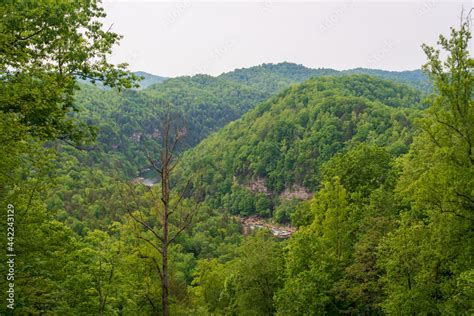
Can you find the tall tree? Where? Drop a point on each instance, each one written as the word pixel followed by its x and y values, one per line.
pixel 318 253
pixel 168 229
pixel 428 260
pixel 44 47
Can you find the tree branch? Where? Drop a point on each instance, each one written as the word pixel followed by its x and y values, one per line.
pixel 143 223
pixel 148 241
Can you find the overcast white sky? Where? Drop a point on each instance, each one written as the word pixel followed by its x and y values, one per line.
pixel 188 37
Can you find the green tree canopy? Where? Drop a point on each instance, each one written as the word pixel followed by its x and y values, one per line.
pixel 428 259
pixel 44 47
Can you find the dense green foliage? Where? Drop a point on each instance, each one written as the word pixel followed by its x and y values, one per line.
pixel 414 78
pixel 44 47
pixel 378 181
pixel 331 264
pixel 129 121
pixel 275 77
pixel 281 144
pixel 432 270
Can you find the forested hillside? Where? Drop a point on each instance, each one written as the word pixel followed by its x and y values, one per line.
pixel 275 77
pixel 126 121
pixel 275 152
pixel 369 173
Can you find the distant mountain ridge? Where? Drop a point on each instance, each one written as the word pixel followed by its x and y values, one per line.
pixel 278 76
pixel 271 78
pixel 208 103
pixel 149 79
pixel 415 78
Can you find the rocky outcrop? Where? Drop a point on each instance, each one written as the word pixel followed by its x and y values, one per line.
pixel 136 136
pixel 144 181
pixel 295 192
pixel 258 186
pixel 251 223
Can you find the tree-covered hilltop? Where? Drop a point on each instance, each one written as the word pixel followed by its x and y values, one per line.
pixel 414 78
pixel 277 149
pixel 275 77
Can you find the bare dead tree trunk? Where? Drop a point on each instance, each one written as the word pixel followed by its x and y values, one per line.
pixel 165 194
pixel 171 137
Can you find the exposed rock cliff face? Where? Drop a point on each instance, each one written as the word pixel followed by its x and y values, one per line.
pixel 258 186
pixel 136 136
pixel 295 192
pixel 147 182
pixel 253 222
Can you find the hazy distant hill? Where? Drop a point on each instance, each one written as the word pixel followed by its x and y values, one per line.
pixel 271 78
pixel 149 79
pixel 414 78
pixel 274 77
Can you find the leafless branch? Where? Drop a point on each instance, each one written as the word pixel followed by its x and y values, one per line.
pixel 157 266
pixel 186 223
pixel 181 196
pixel 143 223
pixel 150 243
